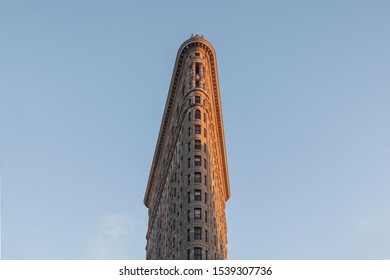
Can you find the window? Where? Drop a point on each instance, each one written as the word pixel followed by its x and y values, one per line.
pixel 197 195
pixel 205 216
pixel 188 216
pixel 207 255
pixel 198 145
pixel 197 177
pixel 205 132
pixel 188 235
pixel 204 117
pixel 197 99
pixel 197 114
pixel 205 147
pixel 189 116
pixel 197 233
pixel 197 54
pixel 189 131
pixel 205 180
pixel 197 160
pixel 197 83
pixel 197 68
pixel 198 130
pixel 197 214
pixel 188 179
pixel 197 253
pixel 205 163
pixel 206 235
pixel 189 162
pixel 189 146
pixel 188 254
pixel 205 197
pixel 188 197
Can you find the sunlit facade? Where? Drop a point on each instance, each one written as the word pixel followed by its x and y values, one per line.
pixel 188 184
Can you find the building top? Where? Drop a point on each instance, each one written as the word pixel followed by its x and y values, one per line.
pixel 194 42
pixel 196 36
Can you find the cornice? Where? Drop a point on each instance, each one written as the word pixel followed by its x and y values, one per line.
pixel 189 44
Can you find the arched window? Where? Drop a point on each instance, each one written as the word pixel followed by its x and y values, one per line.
pixel 198 129
pixel 198 145
pixel 197 214
pixel 197 68
pixel 198 253
pixel 197 160
pixel 197 177
pixel 197 114
pixel 197 233
pixel 197 195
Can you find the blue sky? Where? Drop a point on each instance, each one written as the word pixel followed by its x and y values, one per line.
pixel 305 92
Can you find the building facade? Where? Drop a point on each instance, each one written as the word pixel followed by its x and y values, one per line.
pixel 188 184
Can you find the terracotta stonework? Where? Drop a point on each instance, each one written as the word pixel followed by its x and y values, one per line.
pixel 188 183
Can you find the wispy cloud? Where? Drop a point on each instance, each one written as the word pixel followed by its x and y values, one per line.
pixel 113 239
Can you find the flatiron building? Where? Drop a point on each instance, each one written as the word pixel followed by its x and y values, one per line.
pixel 188 184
